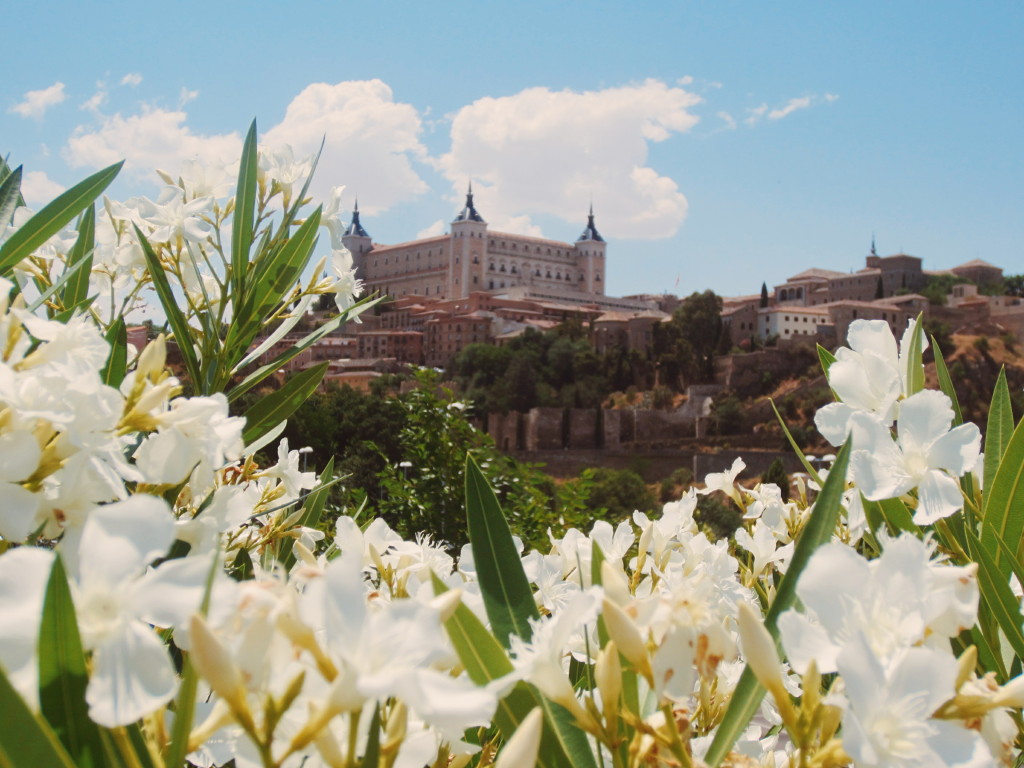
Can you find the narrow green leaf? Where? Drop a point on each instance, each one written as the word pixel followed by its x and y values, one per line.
pixel 273 275
pixel 371 755
pixel 76 289
pixel 571 740
pixel 811 471
pixel 997 595
pixel 915 364
pixel 896 515
pixel 269 283
pixel 946 383
pixel 175 318
pixel 485 660
pixel 242 220
pixel 315 503
pixel 26 740
pixel 504 587
pixel 478 650
pixel 185 704
pixel 826 359
pixel 274 408
pixel 117 361
pixel 63 677
pixel 278 362
pixel 819 529
pixel 988 654
pixel 10 195
pixel 46 292
pixel 998 430
pixel 1004 501
pixel 54 217
pixel 243 568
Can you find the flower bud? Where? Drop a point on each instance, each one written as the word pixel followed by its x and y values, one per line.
pixel 759 651
pixel 616 587
pixel 608 675
pixel 152 360
pixel 626 635
pixel 521 750
pixel 215 665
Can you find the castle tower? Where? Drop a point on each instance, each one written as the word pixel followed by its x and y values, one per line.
pixel 467 265
pixel 358 242
pixel 591 249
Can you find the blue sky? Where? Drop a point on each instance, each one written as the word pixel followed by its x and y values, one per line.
pixel 722 143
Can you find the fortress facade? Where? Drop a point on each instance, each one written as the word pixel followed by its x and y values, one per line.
pixel 473 258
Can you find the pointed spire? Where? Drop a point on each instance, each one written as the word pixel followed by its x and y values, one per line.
pixel 873 251
pixel 590 233
pixel 469 212
pixel 355 229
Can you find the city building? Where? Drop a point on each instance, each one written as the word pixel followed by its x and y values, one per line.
pixel 472 257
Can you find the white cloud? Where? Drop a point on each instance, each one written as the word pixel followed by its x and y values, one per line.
pixel 185 96
pixel 754 114
pixel 94 102
pixel 155 138
pixel 552 152
pixel 729 120
pixel 370 141
pixel 37 187
pixel 132 79
pixel 790 107
pixel 435 229
pixel 36 103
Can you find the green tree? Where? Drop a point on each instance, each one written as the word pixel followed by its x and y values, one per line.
pixel 764 295
pixel 693 335
pixel 1013 285
pixel 776 473
pixel 619 492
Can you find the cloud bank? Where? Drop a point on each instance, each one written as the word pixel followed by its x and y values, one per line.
pixel 553 152
pixel 35 103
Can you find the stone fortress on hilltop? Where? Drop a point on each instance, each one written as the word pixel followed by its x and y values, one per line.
pixel 475 285
pixel 474 258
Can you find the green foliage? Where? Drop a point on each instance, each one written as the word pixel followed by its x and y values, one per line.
pixel 685 347
pixel 938 287
pixel 726 413
pixel 776 473
pixel 1013 285
pixel 819 528
pixel 721 518
pixel 535 369
pixel 619 492
pixel 940 332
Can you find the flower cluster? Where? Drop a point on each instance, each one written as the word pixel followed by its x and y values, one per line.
pixel 877 607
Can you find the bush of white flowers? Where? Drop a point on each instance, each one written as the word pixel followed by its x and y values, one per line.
pixel 167 601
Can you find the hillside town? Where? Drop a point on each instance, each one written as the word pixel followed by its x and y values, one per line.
pixel 478 286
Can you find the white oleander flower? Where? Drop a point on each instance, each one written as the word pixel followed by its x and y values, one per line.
pixel 927 455
pixel 888 723
pixel 24 573
pixel 118 604
pixel 896 601
pixel 870 376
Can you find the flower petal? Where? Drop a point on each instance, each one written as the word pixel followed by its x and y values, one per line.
pixel 132 676
pixel 119 540
pixel 938 496
pixel 24 573
pixel 957 450
pixel 924 418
